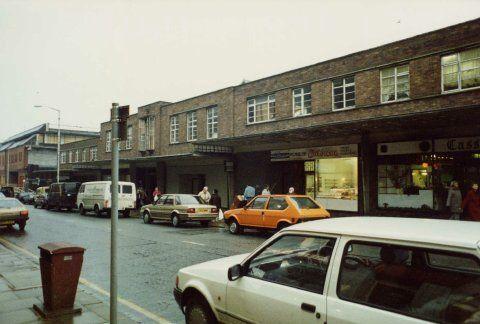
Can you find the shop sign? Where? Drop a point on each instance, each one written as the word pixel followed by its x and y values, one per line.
pixel 398 148
pixel 325 152
pixel 457 144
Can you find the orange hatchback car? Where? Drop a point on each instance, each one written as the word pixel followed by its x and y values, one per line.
pixel 274 212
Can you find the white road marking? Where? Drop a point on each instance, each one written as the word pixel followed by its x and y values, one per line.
pixel 194 243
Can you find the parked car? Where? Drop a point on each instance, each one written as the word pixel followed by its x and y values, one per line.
pixel 179 208
pixel 2 195
pixel 97 196
pixel 274 212
pixel 26 197
pixel 13 212
pixel 8 191
pixel 41 197
pixel 63 195
pixel 347 270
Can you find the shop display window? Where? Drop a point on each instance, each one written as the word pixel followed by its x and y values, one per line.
pixel 404 179
pixel 337 178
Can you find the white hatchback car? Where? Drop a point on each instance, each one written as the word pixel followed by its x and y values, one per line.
pixel 343 270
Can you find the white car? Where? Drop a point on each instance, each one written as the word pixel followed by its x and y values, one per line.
pixel 343 270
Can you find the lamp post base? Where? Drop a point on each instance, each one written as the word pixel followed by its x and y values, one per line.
pixel 42 311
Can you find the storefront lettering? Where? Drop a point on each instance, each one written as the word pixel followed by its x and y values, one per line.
pixel 467 145
pixel 314 153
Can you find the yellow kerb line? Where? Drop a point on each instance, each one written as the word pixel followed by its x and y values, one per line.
pixel 93 286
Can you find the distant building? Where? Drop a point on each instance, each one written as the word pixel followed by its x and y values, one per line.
pixel 29 158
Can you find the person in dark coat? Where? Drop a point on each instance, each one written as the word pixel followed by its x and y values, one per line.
pixel 216 200
pixel 471 203
pixel 454 201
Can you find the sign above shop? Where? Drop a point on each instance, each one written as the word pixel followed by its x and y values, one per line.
pixel 398 148
pixel 458 144
pixel 325 152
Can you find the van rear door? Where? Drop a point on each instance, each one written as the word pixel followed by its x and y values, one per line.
pixel 127 196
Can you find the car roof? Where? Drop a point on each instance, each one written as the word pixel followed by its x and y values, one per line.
pixel 283 195
pixel 421 230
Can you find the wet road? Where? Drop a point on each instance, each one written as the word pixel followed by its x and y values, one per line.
pixel 149 255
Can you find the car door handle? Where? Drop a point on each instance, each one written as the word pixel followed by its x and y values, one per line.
pixel 308 308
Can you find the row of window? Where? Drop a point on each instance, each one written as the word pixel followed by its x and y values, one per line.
pixel 128 141
pixel 72 156
pixel 192 125
pixel 459 71
pixel 12 158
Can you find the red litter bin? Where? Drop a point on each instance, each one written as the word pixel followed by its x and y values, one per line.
pixel 60 266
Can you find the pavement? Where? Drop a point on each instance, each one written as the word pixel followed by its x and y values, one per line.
pixel 21 287
pixel 149 255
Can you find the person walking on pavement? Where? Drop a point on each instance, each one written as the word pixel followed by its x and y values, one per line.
pixel 454 201
pixel 249 193
pixel 266 190
pixel 205 196
pixel 471 203
pixel 216 200
pixel 156 194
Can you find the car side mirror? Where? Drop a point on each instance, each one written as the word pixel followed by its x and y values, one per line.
pixel 235 272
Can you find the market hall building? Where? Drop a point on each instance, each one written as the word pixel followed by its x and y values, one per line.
pixel 385 129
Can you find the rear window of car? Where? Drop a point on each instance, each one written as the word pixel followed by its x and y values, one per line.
pixel 189 200
pixel 304 203
pixel 9 203
pixel 71 187
pixel 127 189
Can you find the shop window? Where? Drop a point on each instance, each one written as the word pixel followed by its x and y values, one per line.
pixel 309 166
pixel 461 70
pixel 395 83
pixel 404 280
pixel 406 179
pixel 337 178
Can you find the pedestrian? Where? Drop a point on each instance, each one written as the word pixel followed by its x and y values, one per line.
pixel 156 194
pixel 291 191
pixel 249 193
pixel 266 190
pixel 454 201
pixel 141 197
pixel 205 196
pixel 216 200
pixel 471 203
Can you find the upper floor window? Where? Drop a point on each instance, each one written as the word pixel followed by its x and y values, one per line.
pixel 174 129
pixel 93 154
pixel 343 93
pixel 63 157
pixel 212 122
pixel 147 133
pixel 395 83
pixel 128 142
pixel 84 155
pixel 77 156
pixel 108 141
pixel 261 109
pixel 461 70
pixel 192 126
pixel 302 101
pixel 70 156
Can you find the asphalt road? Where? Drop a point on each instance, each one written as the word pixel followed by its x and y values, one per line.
pixel 149 255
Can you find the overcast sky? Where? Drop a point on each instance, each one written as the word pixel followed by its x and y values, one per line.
pixel 80 56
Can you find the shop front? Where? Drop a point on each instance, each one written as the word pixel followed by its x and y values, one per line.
pixel 330 174
pixel 417 174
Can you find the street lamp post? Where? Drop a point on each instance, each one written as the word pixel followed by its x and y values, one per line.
pixel 58 137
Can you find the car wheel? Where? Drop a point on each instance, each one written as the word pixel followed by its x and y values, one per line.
pixel 282 225
pixel 97 211
pixel 175 220
pixel 21 225
pixel 204 223
pixel 198 312
pixel 81 210
pixel 146 218
pixel 234 227
pixel 35 205
pixel 126 213
pixel 58 208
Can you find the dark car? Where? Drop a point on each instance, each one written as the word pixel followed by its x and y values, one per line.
pixel 26 197
pixel 9 192
pixel 63 195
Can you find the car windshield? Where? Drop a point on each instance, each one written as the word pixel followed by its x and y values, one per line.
pixel 9 203
pixel 304 203
pixel 189 200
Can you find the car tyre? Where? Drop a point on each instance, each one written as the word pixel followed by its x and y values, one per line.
pixel 97 211
pixel 21 225
pixel 147 219
pixel 199 312
pixel 234 227
pixel 81 209
pixel 175 220
pixel 282 225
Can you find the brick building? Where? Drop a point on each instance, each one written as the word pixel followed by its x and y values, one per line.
pixel 383 128
pixel 29 158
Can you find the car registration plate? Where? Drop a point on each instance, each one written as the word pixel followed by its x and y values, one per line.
pixel 203 210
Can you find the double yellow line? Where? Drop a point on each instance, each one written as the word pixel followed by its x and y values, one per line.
pixel 93 286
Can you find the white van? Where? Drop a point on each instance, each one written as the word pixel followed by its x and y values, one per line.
pixel 97 196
